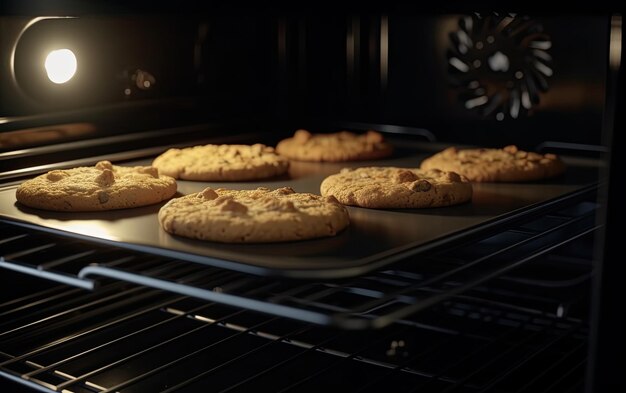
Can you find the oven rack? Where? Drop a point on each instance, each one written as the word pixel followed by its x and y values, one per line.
pixel 373 300
pixel 129 338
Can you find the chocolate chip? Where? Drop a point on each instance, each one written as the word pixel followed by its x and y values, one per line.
pixel 102 165
pixel 149 170
pixel 420 186
pixel 301 136
pixel 234 206
pixel 373 137
pixel 103 197
pixel 208 194
pixel 510 149
pixel 454 177
pixel 404 176
pixel 106 178
pixel 56 175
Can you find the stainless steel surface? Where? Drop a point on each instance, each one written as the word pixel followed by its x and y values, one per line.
pixel 375 237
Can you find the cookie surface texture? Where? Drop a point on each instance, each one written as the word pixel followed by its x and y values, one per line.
pixel 100 187
pixel 222 163
pixel 337 147
pixel 508 164
pixel 253 216
pixel 392 188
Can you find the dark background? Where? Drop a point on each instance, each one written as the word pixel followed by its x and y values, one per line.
pixel 289 69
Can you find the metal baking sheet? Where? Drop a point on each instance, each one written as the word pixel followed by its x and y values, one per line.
pixel 374 239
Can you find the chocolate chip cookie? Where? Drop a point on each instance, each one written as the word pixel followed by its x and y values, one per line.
pixel 253 216
pixel 222 163
pixel 508 164
pixel 390 187
pixel 101 187
pixel 337 147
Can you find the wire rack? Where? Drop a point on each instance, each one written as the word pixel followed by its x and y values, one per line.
pixel 126 338
pixel 371 301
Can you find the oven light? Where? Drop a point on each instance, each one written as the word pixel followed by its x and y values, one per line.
pixel 60 65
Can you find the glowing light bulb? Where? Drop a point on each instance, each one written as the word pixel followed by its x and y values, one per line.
pixel 60 65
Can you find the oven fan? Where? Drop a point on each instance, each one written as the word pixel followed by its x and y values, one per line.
pixel 499 64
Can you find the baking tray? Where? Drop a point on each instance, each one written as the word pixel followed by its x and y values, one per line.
pixel 374 239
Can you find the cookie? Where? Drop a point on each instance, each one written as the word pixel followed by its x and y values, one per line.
pixel 222 163
pixel 253 216
pixel 100 187
pixel 337 147
pixel 390 188
pixel 496 165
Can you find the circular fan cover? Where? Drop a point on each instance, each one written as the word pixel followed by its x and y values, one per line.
pixel 499 64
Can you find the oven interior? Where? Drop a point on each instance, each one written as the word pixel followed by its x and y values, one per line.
pixel 502 304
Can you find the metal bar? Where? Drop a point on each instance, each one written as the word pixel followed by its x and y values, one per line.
pixel 41 301
pixel 24 382
pixel 494 359
pixel 577 387
pixel 576 368
pixel 58 277
pixel 292 291
pixel 494 341
pixel 104 326
pixel 550 284
pixel 547 369
pixel 367 307
pixel 120 261
pixel 99 327
pixel 449 273
pixel 186 356
pixel 224 298
pixel 384 53
pixel 111 297
pixel 517 308
pixel 44 294
pixel 61 261
pixel 572 147
pixel 29 251
pixel 12 238
pixel 284 361
pixel 421 304
pixel 165 321
pixel 213 279
pixel 388 128
pixel 403 365
pixel 528 358
pixel 226 273
pixel 158 345
pixel 204 373
pixel 343 359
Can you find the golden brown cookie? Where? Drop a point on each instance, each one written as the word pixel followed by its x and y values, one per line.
pixel 222 163
pixel 496 165
pixel 389 187
pixel 100 187
pixel 253 216
pixel 337 147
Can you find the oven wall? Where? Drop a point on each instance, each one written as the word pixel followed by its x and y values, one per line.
pixel 303 69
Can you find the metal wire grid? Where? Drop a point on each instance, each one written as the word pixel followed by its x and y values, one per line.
pixel 371 301
pixel 136 339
